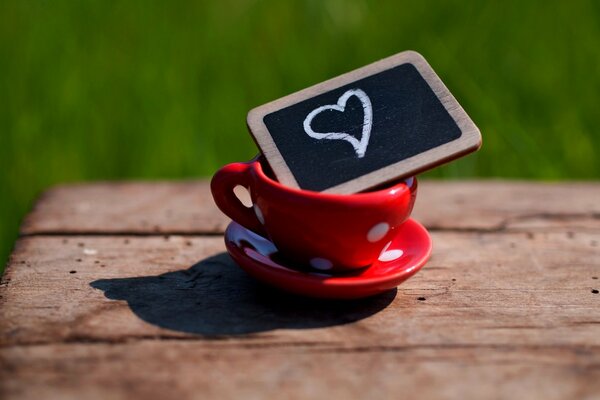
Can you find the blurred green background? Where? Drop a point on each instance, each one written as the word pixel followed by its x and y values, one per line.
pixel 94 90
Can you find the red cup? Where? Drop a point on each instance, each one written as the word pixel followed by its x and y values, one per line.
pixel 326 231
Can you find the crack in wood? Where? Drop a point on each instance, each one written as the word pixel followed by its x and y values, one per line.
pixel 218 340
pixel 52 233
pixel 320 347
pixel 503 226
pixel 578 349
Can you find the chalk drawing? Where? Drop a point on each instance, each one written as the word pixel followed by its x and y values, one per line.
pixel 360 146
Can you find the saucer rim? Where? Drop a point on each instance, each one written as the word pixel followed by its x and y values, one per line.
pixel 337 281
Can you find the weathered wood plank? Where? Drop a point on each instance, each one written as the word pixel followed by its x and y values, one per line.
pixel 154 369
pixel 508 306
pixel 496 205
pixel 504 288
pixel 136 207
pixel 187 207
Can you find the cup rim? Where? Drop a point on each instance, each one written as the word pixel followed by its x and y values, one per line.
pixel 397 189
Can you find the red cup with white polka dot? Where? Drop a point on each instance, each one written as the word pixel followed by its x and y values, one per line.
pixel 324 231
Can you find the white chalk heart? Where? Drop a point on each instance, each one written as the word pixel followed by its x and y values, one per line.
pixel 360 146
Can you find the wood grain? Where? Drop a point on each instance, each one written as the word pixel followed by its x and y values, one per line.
pixel 506 308
pixel 128 207
pixel 158 369
pixel 184 287
pixel 187 207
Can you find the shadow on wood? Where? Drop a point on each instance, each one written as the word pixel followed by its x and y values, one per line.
pixel 214 297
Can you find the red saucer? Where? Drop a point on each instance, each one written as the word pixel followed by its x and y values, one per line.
pixel 402 258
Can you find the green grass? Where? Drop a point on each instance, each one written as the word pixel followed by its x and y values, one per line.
pixel 146 90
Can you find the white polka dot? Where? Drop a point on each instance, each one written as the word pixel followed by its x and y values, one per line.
pixel 390 255
pixel 378 231
pixel 321 263
pixel 259 214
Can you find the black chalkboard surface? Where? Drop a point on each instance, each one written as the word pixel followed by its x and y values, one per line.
pixel 381 122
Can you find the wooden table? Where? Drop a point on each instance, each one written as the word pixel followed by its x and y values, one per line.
pixel 123 290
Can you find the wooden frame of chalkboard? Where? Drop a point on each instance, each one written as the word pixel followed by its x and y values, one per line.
pixel 468 139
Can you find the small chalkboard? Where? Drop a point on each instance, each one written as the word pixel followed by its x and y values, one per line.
pixel 387 120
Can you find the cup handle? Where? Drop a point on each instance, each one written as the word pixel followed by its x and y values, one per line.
pixel 222 185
